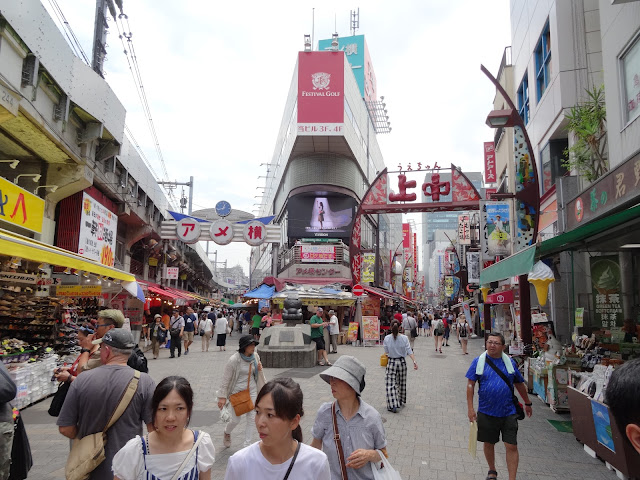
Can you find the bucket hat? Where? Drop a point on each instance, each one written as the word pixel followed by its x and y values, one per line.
pixel 245 341
pixel 348 369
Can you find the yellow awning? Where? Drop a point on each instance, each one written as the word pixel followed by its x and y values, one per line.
pixel 15 245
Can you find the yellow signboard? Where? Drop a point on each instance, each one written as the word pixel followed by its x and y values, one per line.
pixel 352 335
pixel 78 290
pixel 19 207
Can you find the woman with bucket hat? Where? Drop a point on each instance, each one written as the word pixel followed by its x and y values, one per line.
pixel 242 372
pixel 358 424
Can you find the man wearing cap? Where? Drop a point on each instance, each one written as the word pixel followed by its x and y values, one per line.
pixel 359 424
pixel 317 335
pixel 157 333
pixel 176 329
pixel 94 396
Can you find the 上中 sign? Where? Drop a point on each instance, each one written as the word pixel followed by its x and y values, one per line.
pixel 20 207
pixel 98 227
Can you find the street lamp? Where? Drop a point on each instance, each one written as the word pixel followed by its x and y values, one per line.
pixel 503 118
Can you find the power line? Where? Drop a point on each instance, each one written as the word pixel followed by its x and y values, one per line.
pixel 68 32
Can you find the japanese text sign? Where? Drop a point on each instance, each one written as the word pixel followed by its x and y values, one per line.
pixel 78 290
pixel 98 227
pixel 606 291
pixel 221 232
pixel 490 174
pixel 254 233
pixel 19 207
pixel 188 230
pixel 317 253
pixel 172 273
pixel 464 230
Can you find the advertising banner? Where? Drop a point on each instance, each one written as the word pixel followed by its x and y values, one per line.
pixel 490 175
pixel 78 290
pixel 368 267
pixel 606 291
pixel 370 328
pixel 321 93
pixel 464 230
pixel 448 286
pixel 473 267
pixel 98 229
pixel 317 253
pixel 352 334
pixel 406 241
pixel 579 317
pixel 320 216
pixel 371 306
pixel 498 228
pixel 20 207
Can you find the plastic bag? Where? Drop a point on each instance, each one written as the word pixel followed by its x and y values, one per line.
pixel 385 473
pixel 225 413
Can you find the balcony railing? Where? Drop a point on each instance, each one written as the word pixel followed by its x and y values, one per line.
pixel 293 256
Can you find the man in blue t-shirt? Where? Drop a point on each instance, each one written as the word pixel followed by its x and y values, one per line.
pixel 189 329
pixel 496 410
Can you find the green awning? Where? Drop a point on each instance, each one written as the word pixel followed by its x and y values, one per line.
pixel 519 263
pixel 574 238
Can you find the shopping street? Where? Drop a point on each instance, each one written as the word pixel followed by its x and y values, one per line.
pixel 426 440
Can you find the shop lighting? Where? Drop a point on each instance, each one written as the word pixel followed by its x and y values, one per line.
pixel 85 274
pixel 631 245
pixel 67 271
pixel 307 44
pixel 43 267
pixel 12 163
pixel 36 177
pixel 52 188
pixel 15 262
pixel 74 272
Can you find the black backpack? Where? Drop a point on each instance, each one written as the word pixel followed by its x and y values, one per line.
pixel 138 361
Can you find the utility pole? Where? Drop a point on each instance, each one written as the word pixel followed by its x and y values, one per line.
pixel 171 185
pixel 100 32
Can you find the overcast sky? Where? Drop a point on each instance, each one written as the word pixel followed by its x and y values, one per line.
pixel 216 75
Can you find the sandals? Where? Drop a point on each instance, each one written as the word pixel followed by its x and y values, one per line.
pixel 492 475
pixel 329 364
pixel 321 363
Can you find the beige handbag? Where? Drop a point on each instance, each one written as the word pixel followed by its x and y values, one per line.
pixel 88 452
pixel 241 401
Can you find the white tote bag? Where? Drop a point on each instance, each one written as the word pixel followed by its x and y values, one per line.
pixel 385 473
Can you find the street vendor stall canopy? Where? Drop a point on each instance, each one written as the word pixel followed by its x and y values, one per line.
pixel 263 292
pixel 312 295
pixel 517 264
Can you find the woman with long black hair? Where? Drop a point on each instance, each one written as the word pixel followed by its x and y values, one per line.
pixel 397 348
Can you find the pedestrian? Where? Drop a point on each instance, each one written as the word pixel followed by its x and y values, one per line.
pixel 496 409
pixel 158 334
pixel 162 452
pixel 410 328
pixel 420 319
pixel 255 326
pixel 85 337
pixel 427 324
pixel 95 394
pixel 276 315
pixel 190 320
pixel 107 320
pixel 206 331
pixel 397 347
pixel 623 397
pixel 438 331
pixel 243 371
pixel 166 320
pixel 280 452
pixel 8 391
pixel 447 330
pixel 176 329
pixel 359 425
pixel 463 332
pixel 317 335
pixel 221 332
pixel 334 330
pixel 231 320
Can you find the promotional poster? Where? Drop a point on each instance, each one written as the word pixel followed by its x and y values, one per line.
pixel 98 227
pixel 498 228
pixel 321 216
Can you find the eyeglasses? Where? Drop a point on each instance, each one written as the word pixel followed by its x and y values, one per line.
pixel 494 343
pixel 103 325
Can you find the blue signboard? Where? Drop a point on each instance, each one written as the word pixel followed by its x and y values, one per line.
pixel 355 50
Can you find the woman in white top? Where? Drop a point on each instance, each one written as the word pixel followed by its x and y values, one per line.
pixel 280 453
pixel 160 454
pixel 221 332
pixel 334 330
pixel 397 347
pixel 463 329
pixel 243 368
pixel 206 329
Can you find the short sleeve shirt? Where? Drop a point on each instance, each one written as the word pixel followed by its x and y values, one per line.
pixel 316 332
pixel 494 395
pixel 190 322
pixel 256 319
pixel 363 430
pixel 89 405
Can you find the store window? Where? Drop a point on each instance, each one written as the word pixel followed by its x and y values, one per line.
pixel 523 98
pixel 542 55
pixel 630 63
pixel 552 156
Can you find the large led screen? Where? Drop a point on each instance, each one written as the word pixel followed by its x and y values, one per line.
pixel 325 216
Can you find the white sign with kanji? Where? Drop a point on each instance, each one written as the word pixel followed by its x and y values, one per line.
pixel 188 230
pixel 254 233
pixel 172 273
pixel 221 232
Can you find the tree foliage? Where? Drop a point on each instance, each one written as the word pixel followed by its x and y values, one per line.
pixel 588 122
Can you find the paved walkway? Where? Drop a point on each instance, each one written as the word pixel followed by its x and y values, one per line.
pixel 428 439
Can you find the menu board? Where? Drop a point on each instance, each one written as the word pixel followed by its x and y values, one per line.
pixel 370 328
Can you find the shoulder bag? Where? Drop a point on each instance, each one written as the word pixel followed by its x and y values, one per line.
pixel 241 401
pixel 174 331
pixel 338 443
pixel 293 460
pixel 88 452
pixel 193 450
pixel 514 399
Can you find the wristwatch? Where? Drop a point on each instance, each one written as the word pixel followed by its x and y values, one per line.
pixel 528 404
pixel 85 350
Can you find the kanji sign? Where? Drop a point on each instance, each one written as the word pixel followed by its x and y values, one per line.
pixel 606 287
pixel 172 273
pixel 490 175
pixel 188 230
pixel 254 233
pixel 20 207
pixel 98 227
pixel 221 232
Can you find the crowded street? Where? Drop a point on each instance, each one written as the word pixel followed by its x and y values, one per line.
pixel 428 439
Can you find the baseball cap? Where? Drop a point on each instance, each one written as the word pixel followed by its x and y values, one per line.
pixel 117 338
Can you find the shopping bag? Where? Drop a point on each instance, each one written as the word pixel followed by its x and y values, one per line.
pixel 473 438
pixel 387 472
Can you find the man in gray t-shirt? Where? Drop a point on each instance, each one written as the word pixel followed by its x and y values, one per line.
pixel 95 394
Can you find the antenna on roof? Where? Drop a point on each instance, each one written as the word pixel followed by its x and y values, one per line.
pixel 355 21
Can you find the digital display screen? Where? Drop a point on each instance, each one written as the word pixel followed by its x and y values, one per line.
pixel 320 216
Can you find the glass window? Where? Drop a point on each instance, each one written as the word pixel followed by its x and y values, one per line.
pixel 542 55
pixel 631 77
pixel 523 98
pixel 552 156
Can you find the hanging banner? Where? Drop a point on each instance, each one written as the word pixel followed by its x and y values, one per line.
pixel 98 227
pixel 490 175
pixel 606 291
pixel 464 230
pixel 20 207
pixel 473 267
pixel 579 317
pixel 368 267
pixel 448 286
pixel 484 234
pixel 78 290
pixel 498 228
pixel 370 328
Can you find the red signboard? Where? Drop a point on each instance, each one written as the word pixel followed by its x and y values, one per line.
pixel 357 290
pixel 488 192
pixel 505 296
pixel 490 175
pixel 320 90
pixel 406 241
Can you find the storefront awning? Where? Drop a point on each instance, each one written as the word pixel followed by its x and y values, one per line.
pixel 263 291
pixel 15 245
pixel 505 296
pixel 378 292
pixel 180 294
pixel 519 263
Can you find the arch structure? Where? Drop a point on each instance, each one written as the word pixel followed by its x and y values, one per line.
pixel 380 199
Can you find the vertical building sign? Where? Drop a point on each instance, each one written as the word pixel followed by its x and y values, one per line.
pixel 498 228
pixel 415 261
pixel 98 229
pixel 490 174
pixel 484 233
pixel 606 291
pixel 368 268
pixel 464 230
pixel 473 267
pixel 321 93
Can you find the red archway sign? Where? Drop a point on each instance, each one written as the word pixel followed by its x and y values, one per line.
pixel 358 290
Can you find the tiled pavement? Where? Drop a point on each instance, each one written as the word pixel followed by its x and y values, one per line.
pixel 428 439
